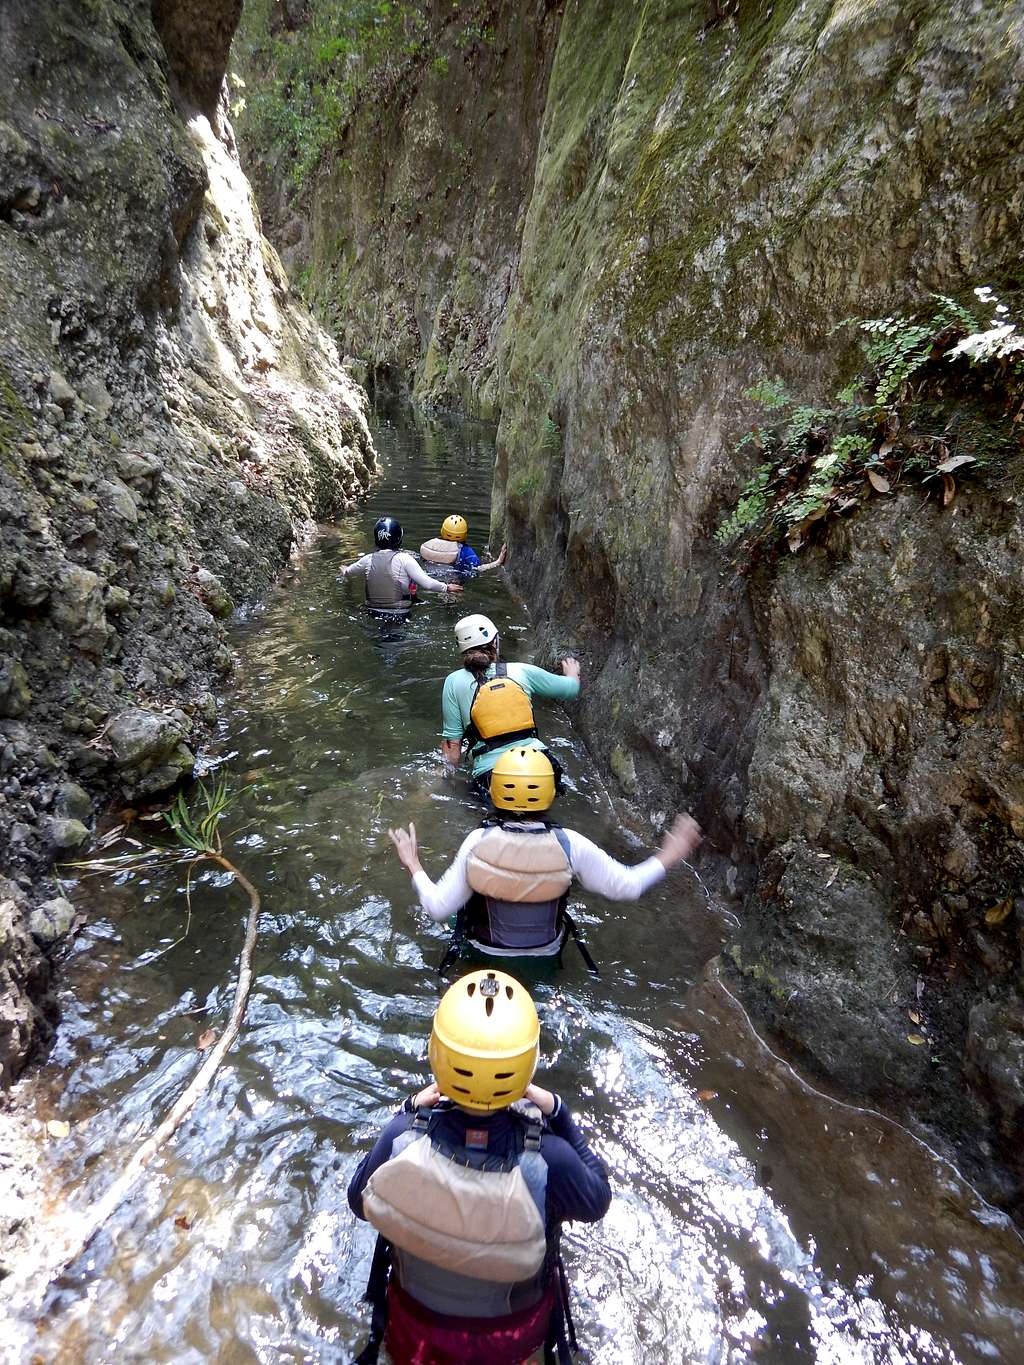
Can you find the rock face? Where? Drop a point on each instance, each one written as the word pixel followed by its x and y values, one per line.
pixel 171 422
pixel 695 197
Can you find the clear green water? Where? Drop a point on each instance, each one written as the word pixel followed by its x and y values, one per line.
pixel 763 1223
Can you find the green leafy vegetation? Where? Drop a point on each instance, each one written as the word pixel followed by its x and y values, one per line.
pixel 312 75
pixel 303 81
pixel 939 393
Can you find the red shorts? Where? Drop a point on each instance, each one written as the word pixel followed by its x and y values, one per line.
pixel 416 1336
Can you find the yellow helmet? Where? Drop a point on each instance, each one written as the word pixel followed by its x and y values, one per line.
pixel 523 780
pixel 454 527
pixel 485 1041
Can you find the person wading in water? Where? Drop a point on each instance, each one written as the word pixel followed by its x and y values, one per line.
pixel 392 575
pixel 510 879
pixel 468 1186
pixel 450 549
pixel 489 703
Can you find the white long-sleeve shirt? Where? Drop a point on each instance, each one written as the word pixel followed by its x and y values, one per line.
pixel 594 869
pixel 403 567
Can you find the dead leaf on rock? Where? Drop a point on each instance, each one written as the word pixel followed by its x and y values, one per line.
pixel 948 489
pixel 916 1039
pixel 878 482
pixel 999 912
pixel 183 1221
pixel 57 1128
pixel 954 462
pixel 884 449
pixel 915 1018
pixel 705 1095
pixel 206 1039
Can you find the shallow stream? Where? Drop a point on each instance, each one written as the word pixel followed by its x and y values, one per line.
pixel 753 1219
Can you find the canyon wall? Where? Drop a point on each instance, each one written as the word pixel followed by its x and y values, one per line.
pixel 172 424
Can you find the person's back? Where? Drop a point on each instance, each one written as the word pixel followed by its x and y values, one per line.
pixel 494 713
pixel 470 1190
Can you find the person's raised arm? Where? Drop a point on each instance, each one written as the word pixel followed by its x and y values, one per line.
pixel 423 579
pixel 578 1186
pixel 358 566
pixel 599 871
pixel 445 897
pixel 494 563
pixel 681 839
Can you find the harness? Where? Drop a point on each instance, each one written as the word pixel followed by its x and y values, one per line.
pixel 383 594
pixel 391 1269
pixel 519 901
pixel 500 713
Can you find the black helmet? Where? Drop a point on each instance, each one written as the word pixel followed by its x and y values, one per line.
pixel 387 534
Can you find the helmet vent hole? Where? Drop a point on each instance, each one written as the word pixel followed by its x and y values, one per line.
pixel 509 992
pixel 460 1071
pixel 498 1093
pixel 471 988
pixel 503 1075
pixel 489 1006
pixel 461 1089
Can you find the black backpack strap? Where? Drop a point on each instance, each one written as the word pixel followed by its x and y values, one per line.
pixel 510 737
pixel 458 940
pixel 533 1121
pixel 376 1294
pixel 501 669
pixel 574 933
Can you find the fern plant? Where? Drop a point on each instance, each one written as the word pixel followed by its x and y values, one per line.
pixel 750 508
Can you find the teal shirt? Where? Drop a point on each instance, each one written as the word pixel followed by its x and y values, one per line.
pixel 457 699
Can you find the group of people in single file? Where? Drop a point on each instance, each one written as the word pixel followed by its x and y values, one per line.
pixel 469 1183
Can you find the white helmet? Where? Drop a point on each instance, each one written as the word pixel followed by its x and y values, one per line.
pixel 474 631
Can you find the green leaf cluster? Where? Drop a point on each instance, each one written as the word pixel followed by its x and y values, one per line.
pixel 817 460
pixel 303 82
pixel 196 828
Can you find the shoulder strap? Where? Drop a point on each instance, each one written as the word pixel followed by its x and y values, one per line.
pixel 501 669
pixel 533 1123
pixel 421 1122
pixel 563 840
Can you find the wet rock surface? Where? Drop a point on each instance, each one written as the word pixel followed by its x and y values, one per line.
pixel 172 425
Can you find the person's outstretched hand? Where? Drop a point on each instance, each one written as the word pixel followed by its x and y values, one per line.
pixel 502 556
pixel 429 1096
pixel 454 587
pixel 571 668
pixel 681 839
pixel 543 1099
pixel 404 841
